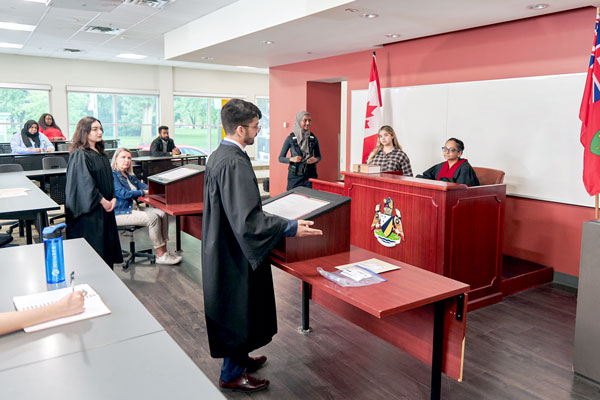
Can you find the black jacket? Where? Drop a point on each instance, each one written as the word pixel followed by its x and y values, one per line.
pixel 156 147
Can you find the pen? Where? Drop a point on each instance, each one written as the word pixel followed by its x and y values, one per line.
pixel 72 281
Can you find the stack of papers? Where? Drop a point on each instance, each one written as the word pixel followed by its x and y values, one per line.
pixel 13 192
pixel 371 264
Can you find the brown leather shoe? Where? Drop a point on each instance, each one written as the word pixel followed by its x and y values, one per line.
pixel 255 363
pixel 245 383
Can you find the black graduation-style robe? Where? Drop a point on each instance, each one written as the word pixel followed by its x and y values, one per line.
pixel 464 174
pixel 237 238
pixel 89 178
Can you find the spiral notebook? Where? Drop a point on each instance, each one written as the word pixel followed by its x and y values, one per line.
pixel 93 306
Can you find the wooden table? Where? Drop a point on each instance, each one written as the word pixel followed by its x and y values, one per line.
pixel 178 210
pixel 35 204
pixel 421 312
pixel 126 354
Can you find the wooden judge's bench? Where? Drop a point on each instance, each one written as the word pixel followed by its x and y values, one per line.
pixel 448 228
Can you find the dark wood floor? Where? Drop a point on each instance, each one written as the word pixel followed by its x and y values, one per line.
pixel 520 348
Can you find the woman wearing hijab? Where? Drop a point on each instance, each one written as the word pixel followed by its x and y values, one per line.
pixel 304 153
pixel 30 140
pixel 49 128
pixel 90 193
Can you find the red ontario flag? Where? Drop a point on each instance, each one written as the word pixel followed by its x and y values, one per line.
pixel 589 114
pixel 373 117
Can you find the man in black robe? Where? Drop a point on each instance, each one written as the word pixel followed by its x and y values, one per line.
pixel 237 237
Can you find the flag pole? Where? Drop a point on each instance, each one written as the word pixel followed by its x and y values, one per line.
pixel 596 211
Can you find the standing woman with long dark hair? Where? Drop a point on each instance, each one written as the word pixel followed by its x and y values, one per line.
pixel 90 193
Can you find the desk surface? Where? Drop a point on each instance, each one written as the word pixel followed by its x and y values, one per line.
pixel 175 209
pixel 122 355
pixel 407 288
pixel 126 370
pixel 45 172
pixel 158 158
pixel 24 273
pixel 34 201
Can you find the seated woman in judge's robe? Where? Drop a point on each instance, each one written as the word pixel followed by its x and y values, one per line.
pixel 128 188
pixel 388 153
pixel 454 169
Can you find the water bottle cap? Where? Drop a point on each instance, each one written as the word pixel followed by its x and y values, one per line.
pixel 53 231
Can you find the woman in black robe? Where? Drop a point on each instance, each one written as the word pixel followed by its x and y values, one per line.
pixel 90 193
pixel 454 169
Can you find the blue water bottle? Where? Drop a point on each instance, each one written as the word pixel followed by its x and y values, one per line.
pixel 53 250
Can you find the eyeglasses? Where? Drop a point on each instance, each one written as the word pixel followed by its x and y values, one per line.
pixel 449 150
pixel 258 127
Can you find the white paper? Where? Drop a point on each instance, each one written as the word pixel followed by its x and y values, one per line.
pixel 371 264
pixel 355 273
pixel 293 206
pixel 177 173
pixel 93 306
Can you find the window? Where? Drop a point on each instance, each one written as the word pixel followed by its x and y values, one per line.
pixel 17 106
pixel 262 140
pixel 197 122
pixel 132 119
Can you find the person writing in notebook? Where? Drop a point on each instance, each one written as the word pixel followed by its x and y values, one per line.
pixel 70 304
pixel 237 237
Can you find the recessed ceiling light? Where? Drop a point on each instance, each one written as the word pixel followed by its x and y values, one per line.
pixel 5 45
pixel 206 58
pixel 392 35
pixel 370 16
pixel 539 6
pixel 267 42
pixel 352 10
pixel 16 27
pixel 131 56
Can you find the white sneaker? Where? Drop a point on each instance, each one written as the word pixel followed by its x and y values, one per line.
pixel 168 259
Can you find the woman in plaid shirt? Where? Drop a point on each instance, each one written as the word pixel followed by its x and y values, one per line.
pixel 388 154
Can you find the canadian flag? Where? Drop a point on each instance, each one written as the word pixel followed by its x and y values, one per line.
pixel 373 117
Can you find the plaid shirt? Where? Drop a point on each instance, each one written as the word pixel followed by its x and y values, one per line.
pixel 395 160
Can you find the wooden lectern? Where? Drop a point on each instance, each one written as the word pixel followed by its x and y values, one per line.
pixel 333 218
pixel 178 186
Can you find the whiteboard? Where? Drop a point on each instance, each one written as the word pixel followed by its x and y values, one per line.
pixel 527 127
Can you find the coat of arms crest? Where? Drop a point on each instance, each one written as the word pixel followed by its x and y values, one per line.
pixel 387 225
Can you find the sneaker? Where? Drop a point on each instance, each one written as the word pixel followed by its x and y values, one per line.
pixel 168 259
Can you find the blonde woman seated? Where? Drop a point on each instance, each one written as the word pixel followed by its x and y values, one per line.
pixel 128 188
pixel 388 154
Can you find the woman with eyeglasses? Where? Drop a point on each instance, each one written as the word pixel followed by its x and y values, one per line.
pixel 304 153
pixel 454 169
pixel 388 153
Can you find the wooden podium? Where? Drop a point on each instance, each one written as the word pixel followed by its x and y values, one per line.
pixel 333 218
pixel 447 228
pixel 178 186
pixel 179 192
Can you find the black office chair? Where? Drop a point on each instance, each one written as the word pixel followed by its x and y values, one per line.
pixel 13 224
pixel 56 184
pixel 63 146
pixel 144 153
pixel 129 256
pixel 5 148
pixel 5 239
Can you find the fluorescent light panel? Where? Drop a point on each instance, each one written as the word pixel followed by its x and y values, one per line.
pixel 16 27
pixel 131 56
pixel 39 1
pixel 5 45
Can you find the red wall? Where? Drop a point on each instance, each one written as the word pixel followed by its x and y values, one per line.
pixel 544 232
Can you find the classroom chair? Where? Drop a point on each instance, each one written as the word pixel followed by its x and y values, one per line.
pixel 489 176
